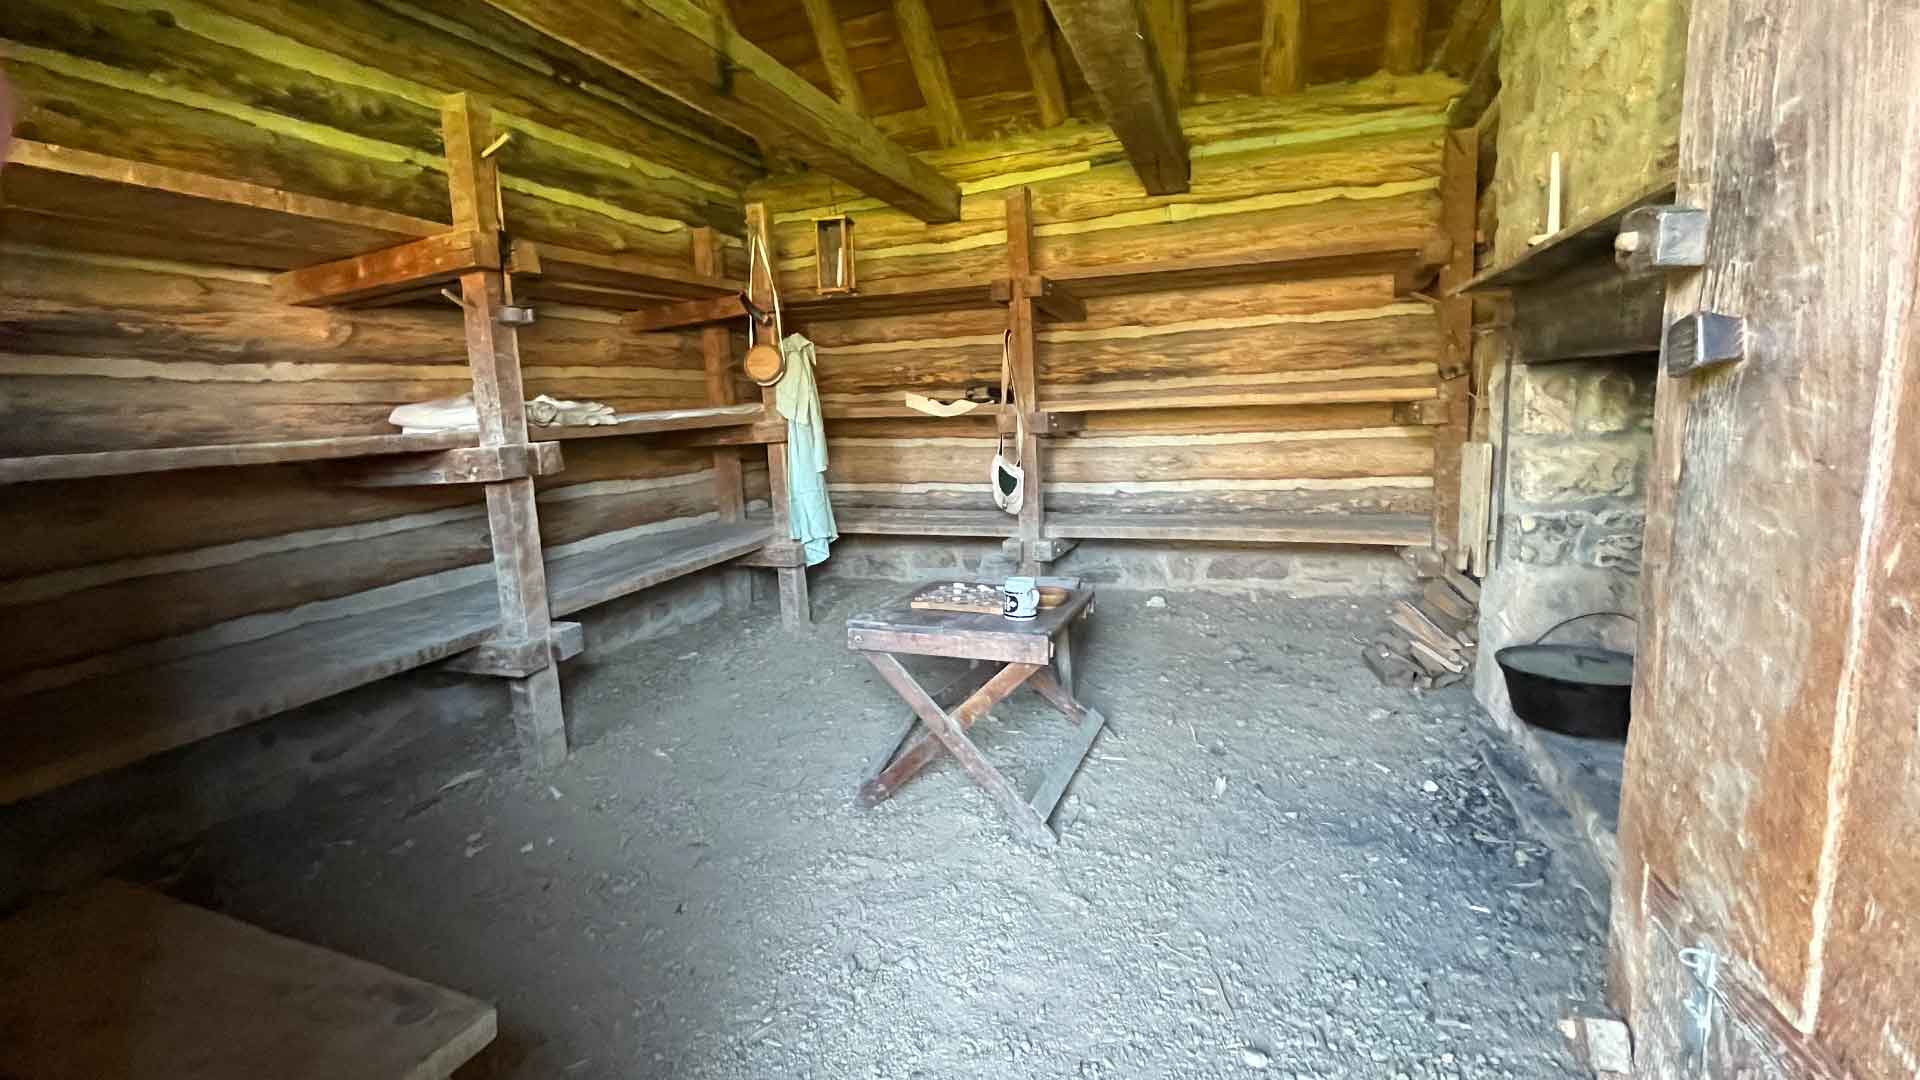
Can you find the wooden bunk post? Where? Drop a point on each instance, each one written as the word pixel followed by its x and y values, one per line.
pixel 493 352
pixel 1026 383
pixel 1459 194
pixel 716 351
pixel 794 607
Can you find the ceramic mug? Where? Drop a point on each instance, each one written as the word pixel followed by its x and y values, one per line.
pixel 1020 598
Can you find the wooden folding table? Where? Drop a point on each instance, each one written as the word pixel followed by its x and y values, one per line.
pixel 1036 652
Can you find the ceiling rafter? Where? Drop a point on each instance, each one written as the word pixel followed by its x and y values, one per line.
pixel 1036 44
pixel 930 70
pixel 1283 58
pixel 1116 52
pixel 833 55
pixel 1168 18
pixel 1406 43
pixel 683 49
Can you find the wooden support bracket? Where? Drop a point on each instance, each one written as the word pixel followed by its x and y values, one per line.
pixel 468 465
pixel 1052 299
pixel 519 659
pixel 777 555
pixel 1045 424
pixel 381 274
pixel 686 313
pixel 1048 550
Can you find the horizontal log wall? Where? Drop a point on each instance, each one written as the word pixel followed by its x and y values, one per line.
pixel 1356 162
pixel 109 574
pixel 101 577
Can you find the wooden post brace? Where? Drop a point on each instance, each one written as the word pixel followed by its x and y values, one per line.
pixel 1050 298
pixel 377 275
pixel 778 554
pixel 679 314
pixel 468 465
pixel 518 659
pixel 1045 424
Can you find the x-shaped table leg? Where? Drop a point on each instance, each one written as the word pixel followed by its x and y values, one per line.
pixel 951 732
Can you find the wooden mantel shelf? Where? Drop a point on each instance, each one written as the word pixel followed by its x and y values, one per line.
pixel 1570 247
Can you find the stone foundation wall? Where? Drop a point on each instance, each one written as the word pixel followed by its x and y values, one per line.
pixel 1578 446
pixel 1286 570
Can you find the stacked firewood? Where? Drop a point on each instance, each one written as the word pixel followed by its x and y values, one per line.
pixel 1431 639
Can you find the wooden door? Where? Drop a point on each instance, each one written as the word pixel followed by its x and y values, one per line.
pixel 1767 915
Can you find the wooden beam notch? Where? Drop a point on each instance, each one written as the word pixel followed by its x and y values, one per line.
pixel 1112 42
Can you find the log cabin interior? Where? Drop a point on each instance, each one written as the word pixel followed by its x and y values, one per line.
pixel 561 538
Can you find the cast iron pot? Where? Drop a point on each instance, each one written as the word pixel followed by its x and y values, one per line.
pixel 1581 690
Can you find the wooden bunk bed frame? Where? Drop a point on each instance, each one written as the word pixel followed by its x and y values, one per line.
pixel 334 254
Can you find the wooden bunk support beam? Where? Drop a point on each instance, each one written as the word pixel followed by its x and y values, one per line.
pixel 685 313
pixel 493 354
pixel 520 658
pixel 1116 50
pixel 467 465
pixel 1050 298
pixel 402 269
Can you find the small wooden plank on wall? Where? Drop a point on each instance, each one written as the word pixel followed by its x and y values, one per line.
pixel 1476 506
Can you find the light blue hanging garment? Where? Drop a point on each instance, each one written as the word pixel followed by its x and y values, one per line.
pixel 809 514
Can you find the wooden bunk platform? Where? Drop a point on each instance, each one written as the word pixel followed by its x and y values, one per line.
pixel 579 581
pixel 894 521
pixel 22 470
pixel 121 981
pixel 149 710
pixel 1379 530
pixel 75 199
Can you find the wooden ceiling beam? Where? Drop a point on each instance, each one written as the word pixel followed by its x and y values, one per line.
pixel 930 70
pixel 1406 43
pixel 1168 18
pixel 1283 66
pixel 1036 44
pixel 833 55
pixel 1466 42
pixel 682 49
pixel 1111 41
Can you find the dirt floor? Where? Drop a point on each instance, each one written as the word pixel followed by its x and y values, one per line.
pixel 1270 864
